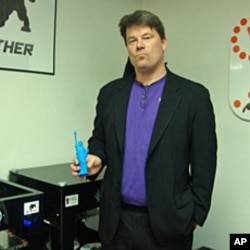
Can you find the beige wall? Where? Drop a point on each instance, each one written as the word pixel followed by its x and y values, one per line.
pixel 39 112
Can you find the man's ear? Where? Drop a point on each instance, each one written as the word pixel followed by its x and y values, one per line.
pixel 164 44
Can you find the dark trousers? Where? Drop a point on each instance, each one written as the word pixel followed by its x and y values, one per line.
pixel 135 233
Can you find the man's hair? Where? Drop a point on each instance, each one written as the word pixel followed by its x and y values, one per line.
pixel 141 17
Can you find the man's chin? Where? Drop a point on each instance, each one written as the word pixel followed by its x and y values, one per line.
pixel 141 65
pixel 142 68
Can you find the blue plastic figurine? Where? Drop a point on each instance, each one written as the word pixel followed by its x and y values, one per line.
pixel 81 154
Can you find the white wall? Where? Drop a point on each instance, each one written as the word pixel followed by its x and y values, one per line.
pixel 39 112
pixel 199 35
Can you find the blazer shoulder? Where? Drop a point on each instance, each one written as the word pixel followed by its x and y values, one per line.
pixel 186 84
pixel 117 83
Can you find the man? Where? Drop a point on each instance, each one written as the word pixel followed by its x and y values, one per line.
pixel 155 132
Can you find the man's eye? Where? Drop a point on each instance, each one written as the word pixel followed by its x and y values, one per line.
pixel 147 37
pixel 131 41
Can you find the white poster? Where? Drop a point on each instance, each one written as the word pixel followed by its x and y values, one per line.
pixel 239 84
pixel 27 35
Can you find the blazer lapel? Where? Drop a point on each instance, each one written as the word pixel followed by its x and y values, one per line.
pixel 169 102
pixel 121 105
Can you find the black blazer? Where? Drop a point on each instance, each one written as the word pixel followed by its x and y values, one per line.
pixel 181 160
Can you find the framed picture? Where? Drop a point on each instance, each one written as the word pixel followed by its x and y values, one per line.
pixel 27 35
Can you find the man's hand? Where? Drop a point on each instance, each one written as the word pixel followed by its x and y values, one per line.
pixel 94 164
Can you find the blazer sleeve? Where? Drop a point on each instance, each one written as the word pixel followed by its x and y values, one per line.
pixel 203 155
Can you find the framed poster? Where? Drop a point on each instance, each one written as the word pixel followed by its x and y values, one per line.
pixel 27 35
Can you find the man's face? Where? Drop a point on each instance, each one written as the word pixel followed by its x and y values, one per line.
pixel 145 48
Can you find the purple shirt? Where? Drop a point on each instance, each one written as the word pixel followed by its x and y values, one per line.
pixel 143 106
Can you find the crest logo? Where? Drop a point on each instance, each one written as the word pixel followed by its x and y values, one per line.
pixel 239 83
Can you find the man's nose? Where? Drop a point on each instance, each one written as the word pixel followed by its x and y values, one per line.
pixel 140 44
